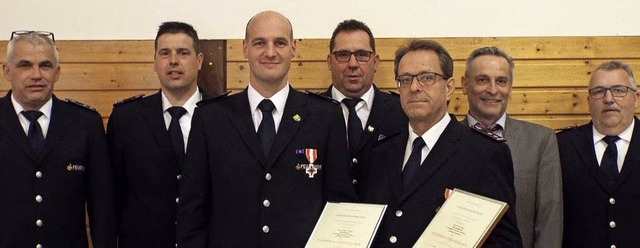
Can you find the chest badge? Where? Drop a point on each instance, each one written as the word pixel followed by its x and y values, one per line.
pixel 310 169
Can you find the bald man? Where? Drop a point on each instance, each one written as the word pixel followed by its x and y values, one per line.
pixel 261 164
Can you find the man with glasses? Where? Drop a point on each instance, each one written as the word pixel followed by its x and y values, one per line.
pixel 147 139
pixel 54 158
pixel 262 163
pixel 369 113
pixel 600 160
pixel 414 168
pixel 488 82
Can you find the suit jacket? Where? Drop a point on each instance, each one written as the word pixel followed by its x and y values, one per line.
pixel 147 173
pixel 461 158
pixel 72 173
pixel 232 195
pixel 596 215
pixel 386 117
pixel 538 181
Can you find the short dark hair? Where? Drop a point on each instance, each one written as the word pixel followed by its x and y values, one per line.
pixel 489 51
pixel 350 26
pixel 618 65
pixel 178 28
pixel 446 62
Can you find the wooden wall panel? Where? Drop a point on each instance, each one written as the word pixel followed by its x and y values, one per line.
pixel 550 77
pixel 100 73
pixel 527 73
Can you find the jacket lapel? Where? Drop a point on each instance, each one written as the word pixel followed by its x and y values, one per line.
pixel 152 114
pixel 295 105
pixel 510 130
pixel 240 118
pixel 439 154
pixel 379 111
pixel 58 126
pixel 587 153
pixel 395 146
pixel 12 128
pixel 632 159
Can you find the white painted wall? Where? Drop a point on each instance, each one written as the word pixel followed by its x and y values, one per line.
pixel 226 19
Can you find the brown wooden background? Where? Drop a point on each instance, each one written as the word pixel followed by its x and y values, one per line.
pixel 550 78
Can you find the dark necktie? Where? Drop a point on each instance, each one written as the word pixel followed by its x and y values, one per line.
pixel 36 138
pixel 413 164
pixel 609 163
pixel 175 132
pixel 354 125
pixel 267 128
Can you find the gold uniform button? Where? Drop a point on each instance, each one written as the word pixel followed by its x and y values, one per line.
pixel 612 224
pixel 612 201
pixel 38 198
pixel 265 229
pixel 393 239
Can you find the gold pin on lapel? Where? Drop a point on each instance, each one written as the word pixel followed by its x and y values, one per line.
pixel 370 129
pixel 297 118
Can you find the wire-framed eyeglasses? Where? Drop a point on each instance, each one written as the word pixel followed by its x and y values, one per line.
pixel 424 78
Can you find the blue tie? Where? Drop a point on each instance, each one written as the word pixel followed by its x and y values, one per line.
pixel 267 128
pixel 609 163
pixel 36 138
pixel 175 132
pixel 413 164
pixel 354 125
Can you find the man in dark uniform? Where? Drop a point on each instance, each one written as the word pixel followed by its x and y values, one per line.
pixel 370 114
pixel 600 160
pixel 53 156
pixel 147 143
pixel 411 170
pixel 262 163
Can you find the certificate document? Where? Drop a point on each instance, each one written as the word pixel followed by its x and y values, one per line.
pixel 464 220
pixel 346 225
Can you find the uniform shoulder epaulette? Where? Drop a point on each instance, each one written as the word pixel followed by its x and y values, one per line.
pixel 130 99
pixel 74 102
pixel 491 135
pixel 326 98
pixel 212 99
pixel 562 129
pixel 393 93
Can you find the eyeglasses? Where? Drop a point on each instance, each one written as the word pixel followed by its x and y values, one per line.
pixel 25 32
pixel 616 91
pixel 424 78
pixel 361 55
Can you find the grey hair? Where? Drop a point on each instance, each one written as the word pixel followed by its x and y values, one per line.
pixel 616 65
pixel 35 39
pixel 489 51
